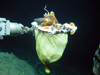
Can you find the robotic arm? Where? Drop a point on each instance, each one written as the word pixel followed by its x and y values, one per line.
pixel 8 28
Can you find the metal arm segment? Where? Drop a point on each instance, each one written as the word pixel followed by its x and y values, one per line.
pixel 8 28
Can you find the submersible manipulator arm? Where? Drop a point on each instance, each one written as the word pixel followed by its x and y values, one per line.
pixel 8 28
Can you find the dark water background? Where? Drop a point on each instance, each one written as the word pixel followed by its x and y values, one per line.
pixel 78 56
